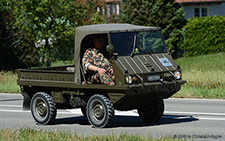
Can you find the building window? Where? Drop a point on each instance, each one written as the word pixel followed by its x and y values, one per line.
pixel 201 12
pixel 197 14
pixel 204 12
pixel 112 9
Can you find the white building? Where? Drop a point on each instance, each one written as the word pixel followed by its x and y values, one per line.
pixel 201 8
pixel 109 7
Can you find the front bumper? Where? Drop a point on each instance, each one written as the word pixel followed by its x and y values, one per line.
pixel 141 94
pixel 156 90
pixel 161 83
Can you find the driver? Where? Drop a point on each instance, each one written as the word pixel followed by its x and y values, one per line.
pixel 99 68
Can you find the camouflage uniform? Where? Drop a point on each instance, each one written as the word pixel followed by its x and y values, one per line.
pixel 94 57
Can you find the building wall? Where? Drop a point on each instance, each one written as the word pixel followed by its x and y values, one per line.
pixel 213 9
pixel 222 9
pixel 189 11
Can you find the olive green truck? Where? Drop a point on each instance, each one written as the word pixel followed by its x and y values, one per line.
pixel 144 70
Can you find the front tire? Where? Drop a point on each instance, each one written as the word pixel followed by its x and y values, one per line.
pixel 43 108
pixel 100 111
pixel 152 113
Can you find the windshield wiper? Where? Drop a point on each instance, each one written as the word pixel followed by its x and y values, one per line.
pixel 148 51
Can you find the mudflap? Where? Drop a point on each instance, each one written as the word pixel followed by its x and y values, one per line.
pixel 26 101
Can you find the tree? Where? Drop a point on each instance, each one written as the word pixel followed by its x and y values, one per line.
pixel 15 51
pixel 33 31
pixel 161 13
pixel 51 22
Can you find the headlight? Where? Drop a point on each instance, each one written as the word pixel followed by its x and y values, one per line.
pixel 177 75
pixel 128 79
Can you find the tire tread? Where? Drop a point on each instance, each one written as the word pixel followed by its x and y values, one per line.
pixel 52 107
pixel 110 108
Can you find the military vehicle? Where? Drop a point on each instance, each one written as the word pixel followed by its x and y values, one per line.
pixel 144 70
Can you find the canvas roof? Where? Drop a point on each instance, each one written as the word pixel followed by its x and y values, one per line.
pixel 83 31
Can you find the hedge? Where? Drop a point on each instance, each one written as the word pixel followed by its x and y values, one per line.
pixel 204 35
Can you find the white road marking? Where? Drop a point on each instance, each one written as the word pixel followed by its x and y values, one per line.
pixel 193 99
pixel 17 106
pixel 28 111
pixel 130 113
pixel 10 94
pixel 134 113
pixel 210 118
pixel 195 113
pixel 17 111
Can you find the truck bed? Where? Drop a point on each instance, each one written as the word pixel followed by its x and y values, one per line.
pixel 52 75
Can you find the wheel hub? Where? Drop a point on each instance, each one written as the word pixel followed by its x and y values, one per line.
pixel 41 109
pixel 98 111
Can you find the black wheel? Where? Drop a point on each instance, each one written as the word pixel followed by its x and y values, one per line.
pixel 43 108
pixel 83 110
pixel 100 111
pixel 153 112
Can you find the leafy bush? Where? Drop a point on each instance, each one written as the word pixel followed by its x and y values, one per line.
pixel 15 49
pixel 204 36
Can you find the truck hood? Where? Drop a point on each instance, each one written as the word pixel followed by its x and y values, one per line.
pixel 142 64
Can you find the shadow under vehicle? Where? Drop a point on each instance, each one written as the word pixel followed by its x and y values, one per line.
pixel 144 70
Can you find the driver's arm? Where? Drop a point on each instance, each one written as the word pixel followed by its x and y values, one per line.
pixel 91 67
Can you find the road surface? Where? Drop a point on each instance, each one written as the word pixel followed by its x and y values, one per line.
pixel 183 119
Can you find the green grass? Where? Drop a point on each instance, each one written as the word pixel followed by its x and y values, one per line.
pixel 205 76
pixel 61 63
pixel 203 63
pixel 28 134
pixel 8 83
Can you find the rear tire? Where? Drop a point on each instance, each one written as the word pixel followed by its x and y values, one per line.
pixel 43 108
pixel 100 111
pixel 153 112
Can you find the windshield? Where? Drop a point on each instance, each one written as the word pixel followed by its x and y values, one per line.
pixel 132 43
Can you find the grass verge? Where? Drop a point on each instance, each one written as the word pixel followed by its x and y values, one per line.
pixel 61 63
pixel 8 83
pixel 205 76
pixel 36 135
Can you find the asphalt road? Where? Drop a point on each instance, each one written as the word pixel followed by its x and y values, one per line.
pixel 183 118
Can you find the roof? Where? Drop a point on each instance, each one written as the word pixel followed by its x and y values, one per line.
pixel 83 31
pixel 106 28
pixel 198 1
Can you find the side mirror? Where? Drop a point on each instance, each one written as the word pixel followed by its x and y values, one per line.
pixel 110 49
pixel 171 50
